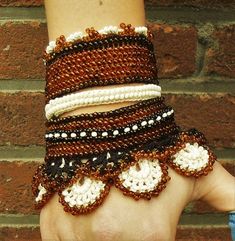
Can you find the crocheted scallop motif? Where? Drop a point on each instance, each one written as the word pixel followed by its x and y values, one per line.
pixel 192 158
pixel 144 179
pixel 141 173
pixel 83 195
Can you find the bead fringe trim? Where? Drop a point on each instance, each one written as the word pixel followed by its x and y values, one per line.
pixel 70 42
pixel 145 175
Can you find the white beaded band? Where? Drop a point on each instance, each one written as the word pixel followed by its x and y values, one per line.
pixel 106 30
pixel 70 102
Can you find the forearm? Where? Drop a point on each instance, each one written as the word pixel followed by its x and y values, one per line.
pixel 78 15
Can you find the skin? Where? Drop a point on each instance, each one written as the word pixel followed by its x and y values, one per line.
pixel 145 220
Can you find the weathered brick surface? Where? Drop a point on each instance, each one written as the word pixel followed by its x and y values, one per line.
pixel 20 3
pixel 22 117
pixel 211 114
pixel 183 234
pixel 20 234
pixel 221 59
pixel 15 185
pixel 192 3
pixel 208 233
pixel 173 60
pixel 21 48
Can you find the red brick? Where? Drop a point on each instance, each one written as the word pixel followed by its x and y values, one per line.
pixel 184 233
pixel 229 166
pixel 173 60
pixel 15 185
pixel 214 115
pixel 20 234
pixel 21 49
pixel 20 3
pixel 192 3
pixel 220 60
pixel 206 233
pixel 21 118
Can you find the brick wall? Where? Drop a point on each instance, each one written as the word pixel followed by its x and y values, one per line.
pixel 194 42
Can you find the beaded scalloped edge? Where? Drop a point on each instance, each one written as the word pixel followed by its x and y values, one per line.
pixel 164 158
pixel 63 43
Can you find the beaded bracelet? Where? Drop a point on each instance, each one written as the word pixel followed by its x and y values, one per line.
pixel 55 47
pixel 131 147
pixel 100 59
pixel 91 133
pixel 140 173
pixel 70 102
pixel 106 118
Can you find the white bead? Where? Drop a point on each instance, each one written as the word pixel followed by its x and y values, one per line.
pixel 134 127
pixel 104 133
pixel 116 132
pixel 83 133
pixel 143 123
pixel 159 118
pixel 77 35
pixel 164 115
pixel 50 135
pixel 64 135
pixel 142 30
pixel 151 122
pixel 94 133
pixel 127 129
pixel 73 135
pixel 56 135
pixel 108 155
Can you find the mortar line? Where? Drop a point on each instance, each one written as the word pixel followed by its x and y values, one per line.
pixel 189 85
pixel 193 13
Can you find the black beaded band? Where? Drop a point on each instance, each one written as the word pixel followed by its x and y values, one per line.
pixel 91 133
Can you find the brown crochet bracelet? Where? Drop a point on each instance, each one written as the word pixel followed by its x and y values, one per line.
pixel 131 147
pixel 100 60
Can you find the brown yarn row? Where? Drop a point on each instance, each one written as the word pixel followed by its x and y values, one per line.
pixel 100 67
pixel 104 123
pixel 82 148
pixel 163 156
pixel 93 35
pixel 111 113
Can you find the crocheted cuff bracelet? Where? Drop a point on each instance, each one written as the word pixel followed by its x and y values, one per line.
pixel 131 147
